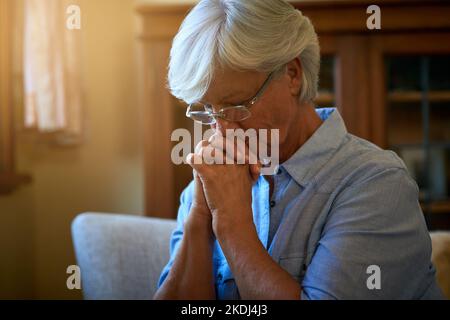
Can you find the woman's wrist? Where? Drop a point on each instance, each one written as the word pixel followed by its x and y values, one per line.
pixel 225 224
pixel 199 221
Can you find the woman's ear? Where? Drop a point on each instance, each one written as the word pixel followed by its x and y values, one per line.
pixel 294 72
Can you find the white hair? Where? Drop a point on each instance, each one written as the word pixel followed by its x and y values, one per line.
pixel 245 35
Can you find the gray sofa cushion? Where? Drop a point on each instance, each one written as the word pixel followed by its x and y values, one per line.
pixel 120 256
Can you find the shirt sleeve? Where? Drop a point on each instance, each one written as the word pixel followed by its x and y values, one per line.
pixel 177 234
pixel 376 222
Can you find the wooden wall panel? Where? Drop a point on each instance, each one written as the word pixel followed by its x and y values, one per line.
pixel 341 26
pixel 6 138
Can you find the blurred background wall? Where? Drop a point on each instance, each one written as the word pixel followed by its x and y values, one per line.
pixel 103 173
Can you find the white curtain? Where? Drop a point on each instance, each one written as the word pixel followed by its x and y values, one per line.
pixel 52 70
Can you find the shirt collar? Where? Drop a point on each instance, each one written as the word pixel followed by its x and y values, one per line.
pixel 306 162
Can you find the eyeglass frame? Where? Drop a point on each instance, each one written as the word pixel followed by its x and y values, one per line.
pixel 246 105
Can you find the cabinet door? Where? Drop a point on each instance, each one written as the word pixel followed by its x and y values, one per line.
pixel 411 113
pixel 344 80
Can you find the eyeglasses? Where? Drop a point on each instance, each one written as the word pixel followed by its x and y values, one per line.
pixel 204 114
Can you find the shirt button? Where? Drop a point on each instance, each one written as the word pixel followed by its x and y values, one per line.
pixel 272 204
pixel 219 277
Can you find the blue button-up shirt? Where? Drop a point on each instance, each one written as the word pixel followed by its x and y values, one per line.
pixel 340 206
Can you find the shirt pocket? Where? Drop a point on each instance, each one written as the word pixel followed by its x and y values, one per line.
pixel 295 266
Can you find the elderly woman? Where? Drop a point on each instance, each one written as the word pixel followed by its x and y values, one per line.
pixel 339 219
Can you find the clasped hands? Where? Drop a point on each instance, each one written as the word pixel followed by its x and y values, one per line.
pixel 223 189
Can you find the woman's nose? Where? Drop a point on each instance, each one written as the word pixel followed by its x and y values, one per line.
pixel 222 125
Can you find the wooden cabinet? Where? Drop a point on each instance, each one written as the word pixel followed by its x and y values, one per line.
pixel 356 77
pixel 412 112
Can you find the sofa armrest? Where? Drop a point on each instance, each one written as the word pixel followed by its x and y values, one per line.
pixel 120 256
pixel 441 259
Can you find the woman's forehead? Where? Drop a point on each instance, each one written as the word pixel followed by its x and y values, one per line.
pixel 228 85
